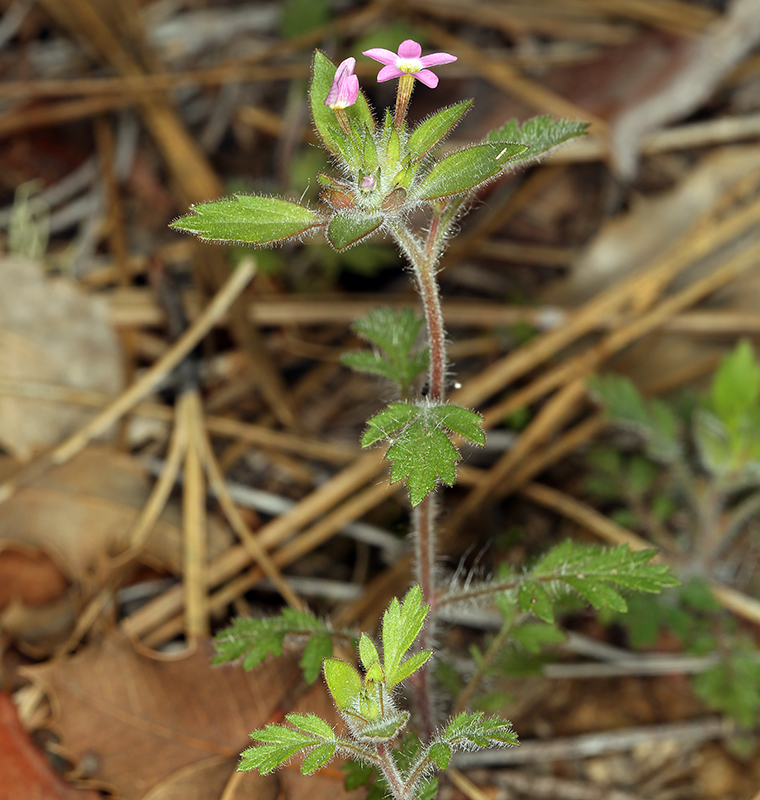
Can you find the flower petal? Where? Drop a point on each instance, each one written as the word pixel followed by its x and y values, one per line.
pixel 426 76
pixel 381 54
pixel 434 59
pixel 389 72
pixel 409 49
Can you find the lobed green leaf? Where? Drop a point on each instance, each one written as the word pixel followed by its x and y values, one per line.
pixel 386 422
pixel 533 597
pixel 735 390
pixel 248 219
pixel 467 729
pixel 402 623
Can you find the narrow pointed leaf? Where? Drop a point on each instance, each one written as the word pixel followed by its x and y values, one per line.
pixel 367 651
pixel 345 231
pixel 428 133
pixel 466 169
pixel 410 666
pixel 540 134
pixel 248 219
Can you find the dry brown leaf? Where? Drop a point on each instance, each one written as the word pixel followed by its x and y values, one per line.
pixel 83 509
pixel 25 771
pixel 30 576
pixel 208 779
pixel 146 721
pixel 50 332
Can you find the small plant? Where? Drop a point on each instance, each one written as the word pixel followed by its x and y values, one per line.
pixel 693 487
pixel 389 176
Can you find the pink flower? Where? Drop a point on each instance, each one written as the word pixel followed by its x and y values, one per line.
pixel 345 86
pixel 408 62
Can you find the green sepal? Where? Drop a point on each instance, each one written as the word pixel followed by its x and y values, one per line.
pixel 385 728
pixel 359 114
pixel 435 128
pixel 533 597
pixel 343 681
pixel 466 169
pixel 367 652
pixel 345 231
pixel 248 219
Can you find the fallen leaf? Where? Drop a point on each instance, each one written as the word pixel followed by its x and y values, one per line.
pixel 29 576
pixel 26 772
pixel 50 332
pixel 84 509
pixel 145 722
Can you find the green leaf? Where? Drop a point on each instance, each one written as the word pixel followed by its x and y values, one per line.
pixel 640 476
pixel 402 624
pixel 317 649
pixel 367 651
pixel 466 169
pixel 428 133
pixel 278 745
pixel 733 686
pixel 345 231
pixel 468 729
pixel 599 594
pixel 592 571
pixel 422 454
pixel 396 332
pixel 462 421
pixel 533 597
pixel 318 757
pixel 248 219
pixel 440 754
pixel 539 134
pixel 533 636
pixel 422 451
pixel 411 665
pixel 713 442
pixel 312 724
pixel 343 681
pixel 735 390
pixel 254 639
pixel 654 421
pixel 384 424
pixel 359 114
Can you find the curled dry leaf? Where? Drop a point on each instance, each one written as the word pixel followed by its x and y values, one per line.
pixel 150 723
pixel 84 509
pixel 50 332
pixel 26 772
